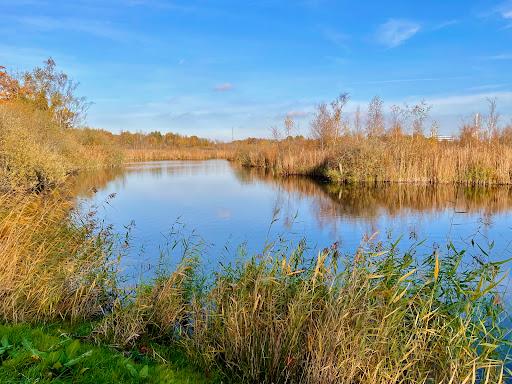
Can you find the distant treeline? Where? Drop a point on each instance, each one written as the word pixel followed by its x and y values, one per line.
pixel 375 146
pixel 42 140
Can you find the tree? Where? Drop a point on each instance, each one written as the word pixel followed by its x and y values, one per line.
pixel 375 119
pixel 327 124
pixel 337 111
pixel 398 119
pixel 492 119
pixel 320 127
pixel 358 123
pixel 10 88
pixel 419 114
pixel 46 89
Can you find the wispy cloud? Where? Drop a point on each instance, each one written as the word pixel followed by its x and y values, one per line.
pixel 486 87
pixel 506 56
pixel 298 113
pixel 92 27
pixel 395 31
pixel 162 5
pixel 505 9
pixel 409 80
pixel 223 87
pixel 445 24
pixel 464 104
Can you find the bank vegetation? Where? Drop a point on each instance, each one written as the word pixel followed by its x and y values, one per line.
pixel 379 315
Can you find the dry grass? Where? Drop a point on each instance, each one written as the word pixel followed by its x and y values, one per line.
pixel 35 153
pixel 374 317
pixel 388 159
pixel 175 154
pixel 50 265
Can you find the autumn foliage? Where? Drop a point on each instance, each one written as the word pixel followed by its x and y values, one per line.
pixel 40 138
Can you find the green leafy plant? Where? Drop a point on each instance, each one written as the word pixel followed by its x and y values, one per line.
pixel 5 346
pixel 59 358
pixel 137 374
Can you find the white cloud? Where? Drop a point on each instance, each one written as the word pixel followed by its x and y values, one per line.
pixel 412 80
pixel 500 57
pixel 395 31
pixel 505 9
pixel 223 87
pixel 446 24
pixel 298 113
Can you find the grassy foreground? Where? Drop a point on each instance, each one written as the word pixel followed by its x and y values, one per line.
pixel 379 316
pixel 59 353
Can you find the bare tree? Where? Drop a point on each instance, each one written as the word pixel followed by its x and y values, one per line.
pixel 398 119
pixel 358 124
pixel 320 127
pixel 288 129
pixel 492 119
pixel 434 130
pixel 375 119
pixel 337 111
pixel 419 114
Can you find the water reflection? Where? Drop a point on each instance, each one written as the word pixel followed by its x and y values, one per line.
pixel 222 201
pixel 362 201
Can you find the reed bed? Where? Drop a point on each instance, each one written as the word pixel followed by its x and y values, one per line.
pixel 176 154
pixel 385 159
pixel 378 316
pixel 43 155
pixel 53 264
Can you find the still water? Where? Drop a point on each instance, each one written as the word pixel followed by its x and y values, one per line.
pixel 231 207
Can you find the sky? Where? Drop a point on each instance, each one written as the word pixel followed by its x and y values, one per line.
pixel 215 67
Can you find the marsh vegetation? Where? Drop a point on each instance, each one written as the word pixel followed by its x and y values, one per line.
pixel 379 314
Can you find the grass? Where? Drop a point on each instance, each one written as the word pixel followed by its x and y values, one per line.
pixel 390 159
pixel 175 154
pixel 42 156
pixel 34 352
pixel 378 316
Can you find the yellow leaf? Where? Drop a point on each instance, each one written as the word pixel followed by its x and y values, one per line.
pixel 436 268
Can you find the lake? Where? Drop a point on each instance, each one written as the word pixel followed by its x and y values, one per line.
pixel 233 208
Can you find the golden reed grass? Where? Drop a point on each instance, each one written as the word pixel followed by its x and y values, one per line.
pixel 175 154
pixel 51 265
pixel 388 159
pixel 373 317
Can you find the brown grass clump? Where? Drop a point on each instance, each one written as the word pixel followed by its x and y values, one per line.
pixel 175 154
pixel 366 319
pixel 51 266
pixel 36 153
pixel 384 158
pixel 374 317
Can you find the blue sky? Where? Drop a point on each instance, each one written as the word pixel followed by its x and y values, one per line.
pixel 203 67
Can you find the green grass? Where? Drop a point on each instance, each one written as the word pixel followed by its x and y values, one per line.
pixel 101 364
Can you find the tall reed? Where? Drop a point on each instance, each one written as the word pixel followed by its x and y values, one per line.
pixel 379 316
pixel 53 264
pixel 388 159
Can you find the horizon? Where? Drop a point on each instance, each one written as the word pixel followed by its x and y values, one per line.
pixel 204 68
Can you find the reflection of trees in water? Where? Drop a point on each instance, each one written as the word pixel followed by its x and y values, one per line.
pixel 83 183
pixel 331 202
pixel 100 178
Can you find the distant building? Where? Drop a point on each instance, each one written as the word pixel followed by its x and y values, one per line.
pixel 445 138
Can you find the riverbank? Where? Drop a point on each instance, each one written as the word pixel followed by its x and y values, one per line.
pixel 386 159
pixel 374 316
pixel 377 315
